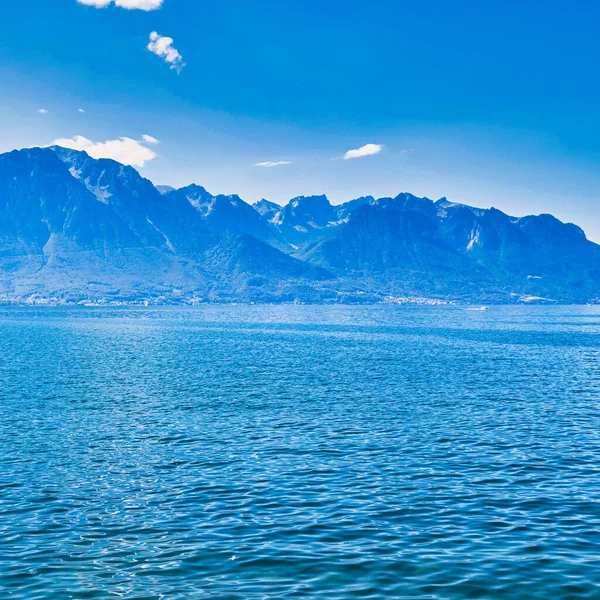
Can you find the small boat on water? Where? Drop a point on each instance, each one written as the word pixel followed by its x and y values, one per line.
pixel 478 308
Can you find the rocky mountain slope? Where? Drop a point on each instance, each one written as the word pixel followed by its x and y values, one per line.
pixel 77 229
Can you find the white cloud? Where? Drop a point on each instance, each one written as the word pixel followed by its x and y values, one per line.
pixel 128 4
pixel 366 150
pixel 81 110
pixel 149 139
pixel 163 47
pixel 43 111
pixel 140 4
pixel 271 163
pixel 96 3
pixel 123 150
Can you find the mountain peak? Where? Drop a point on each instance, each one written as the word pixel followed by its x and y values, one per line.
pixel 309 202
pixel 346 209
pixel 193 188
pixel 67 219
pixel 266 209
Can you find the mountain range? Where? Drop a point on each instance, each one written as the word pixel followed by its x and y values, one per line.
pixel 77 229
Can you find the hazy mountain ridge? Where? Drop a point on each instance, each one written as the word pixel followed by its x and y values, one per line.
pixel 75 228
pixel 72 227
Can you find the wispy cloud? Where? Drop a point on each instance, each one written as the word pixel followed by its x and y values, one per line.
pixel 43 111
pixel 271 163
pixel 149 139
pixel 124 150
pixel 128 4
pixel 163 46
pixel 366 150
pixel 81 110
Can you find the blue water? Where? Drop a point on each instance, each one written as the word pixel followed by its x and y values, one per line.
pixel 300 452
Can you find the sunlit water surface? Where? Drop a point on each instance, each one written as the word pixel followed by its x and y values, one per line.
pixel 300 452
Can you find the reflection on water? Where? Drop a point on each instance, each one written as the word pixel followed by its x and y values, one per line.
pixel 300 452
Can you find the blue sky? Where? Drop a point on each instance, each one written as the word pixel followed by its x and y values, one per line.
pixel 488 103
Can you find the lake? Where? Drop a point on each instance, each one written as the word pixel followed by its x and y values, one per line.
pixel 255 452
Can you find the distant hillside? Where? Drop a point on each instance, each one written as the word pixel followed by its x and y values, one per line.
pixel 77 229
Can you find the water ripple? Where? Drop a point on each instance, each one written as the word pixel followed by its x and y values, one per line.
pixel 300 452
